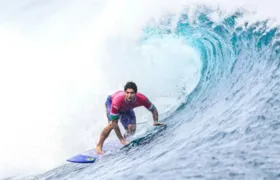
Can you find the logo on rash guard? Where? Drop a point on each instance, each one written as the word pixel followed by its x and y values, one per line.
pixel 115 107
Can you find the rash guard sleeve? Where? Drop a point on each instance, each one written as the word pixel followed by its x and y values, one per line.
pixel 146 102
pixel 114 112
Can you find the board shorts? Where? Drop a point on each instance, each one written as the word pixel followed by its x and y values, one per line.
pixel 127 117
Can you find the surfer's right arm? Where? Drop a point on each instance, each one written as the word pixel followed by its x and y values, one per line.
pixel 118 132
pixel 114 115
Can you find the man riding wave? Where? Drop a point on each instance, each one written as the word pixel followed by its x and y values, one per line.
pixel 120 105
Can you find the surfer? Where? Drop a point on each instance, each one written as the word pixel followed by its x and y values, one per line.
pixel 120 106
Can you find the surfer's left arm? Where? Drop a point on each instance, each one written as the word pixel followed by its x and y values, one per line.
pixel 155 117
pixel 152 108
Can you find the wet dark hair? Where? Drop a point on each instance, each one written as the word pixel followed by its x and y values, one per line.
pixel 130 85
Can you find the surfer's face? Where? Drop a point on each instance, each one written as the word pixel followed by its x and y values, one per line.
pixel 129 94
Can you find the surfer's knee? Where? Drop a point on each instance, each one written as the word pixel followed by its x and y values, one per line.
pixel 131 128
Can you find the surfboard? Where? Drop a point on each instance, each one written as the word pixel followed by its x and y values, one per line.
pixel 80 158
pixel 91 156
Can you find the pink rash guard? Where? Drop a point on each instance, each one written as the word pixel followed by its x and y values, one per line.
pixel 119 104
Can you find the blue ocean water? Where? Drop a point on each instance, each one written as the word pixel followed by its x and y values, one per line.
pixel 227 127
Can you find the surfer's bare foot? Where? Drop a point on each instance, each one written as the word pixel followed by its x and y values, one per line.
pixel 99 150
pixel 124 142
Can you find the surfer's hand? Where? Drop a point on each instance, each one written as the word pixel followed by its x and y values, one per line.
pixel 158 124
pixel 124 142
